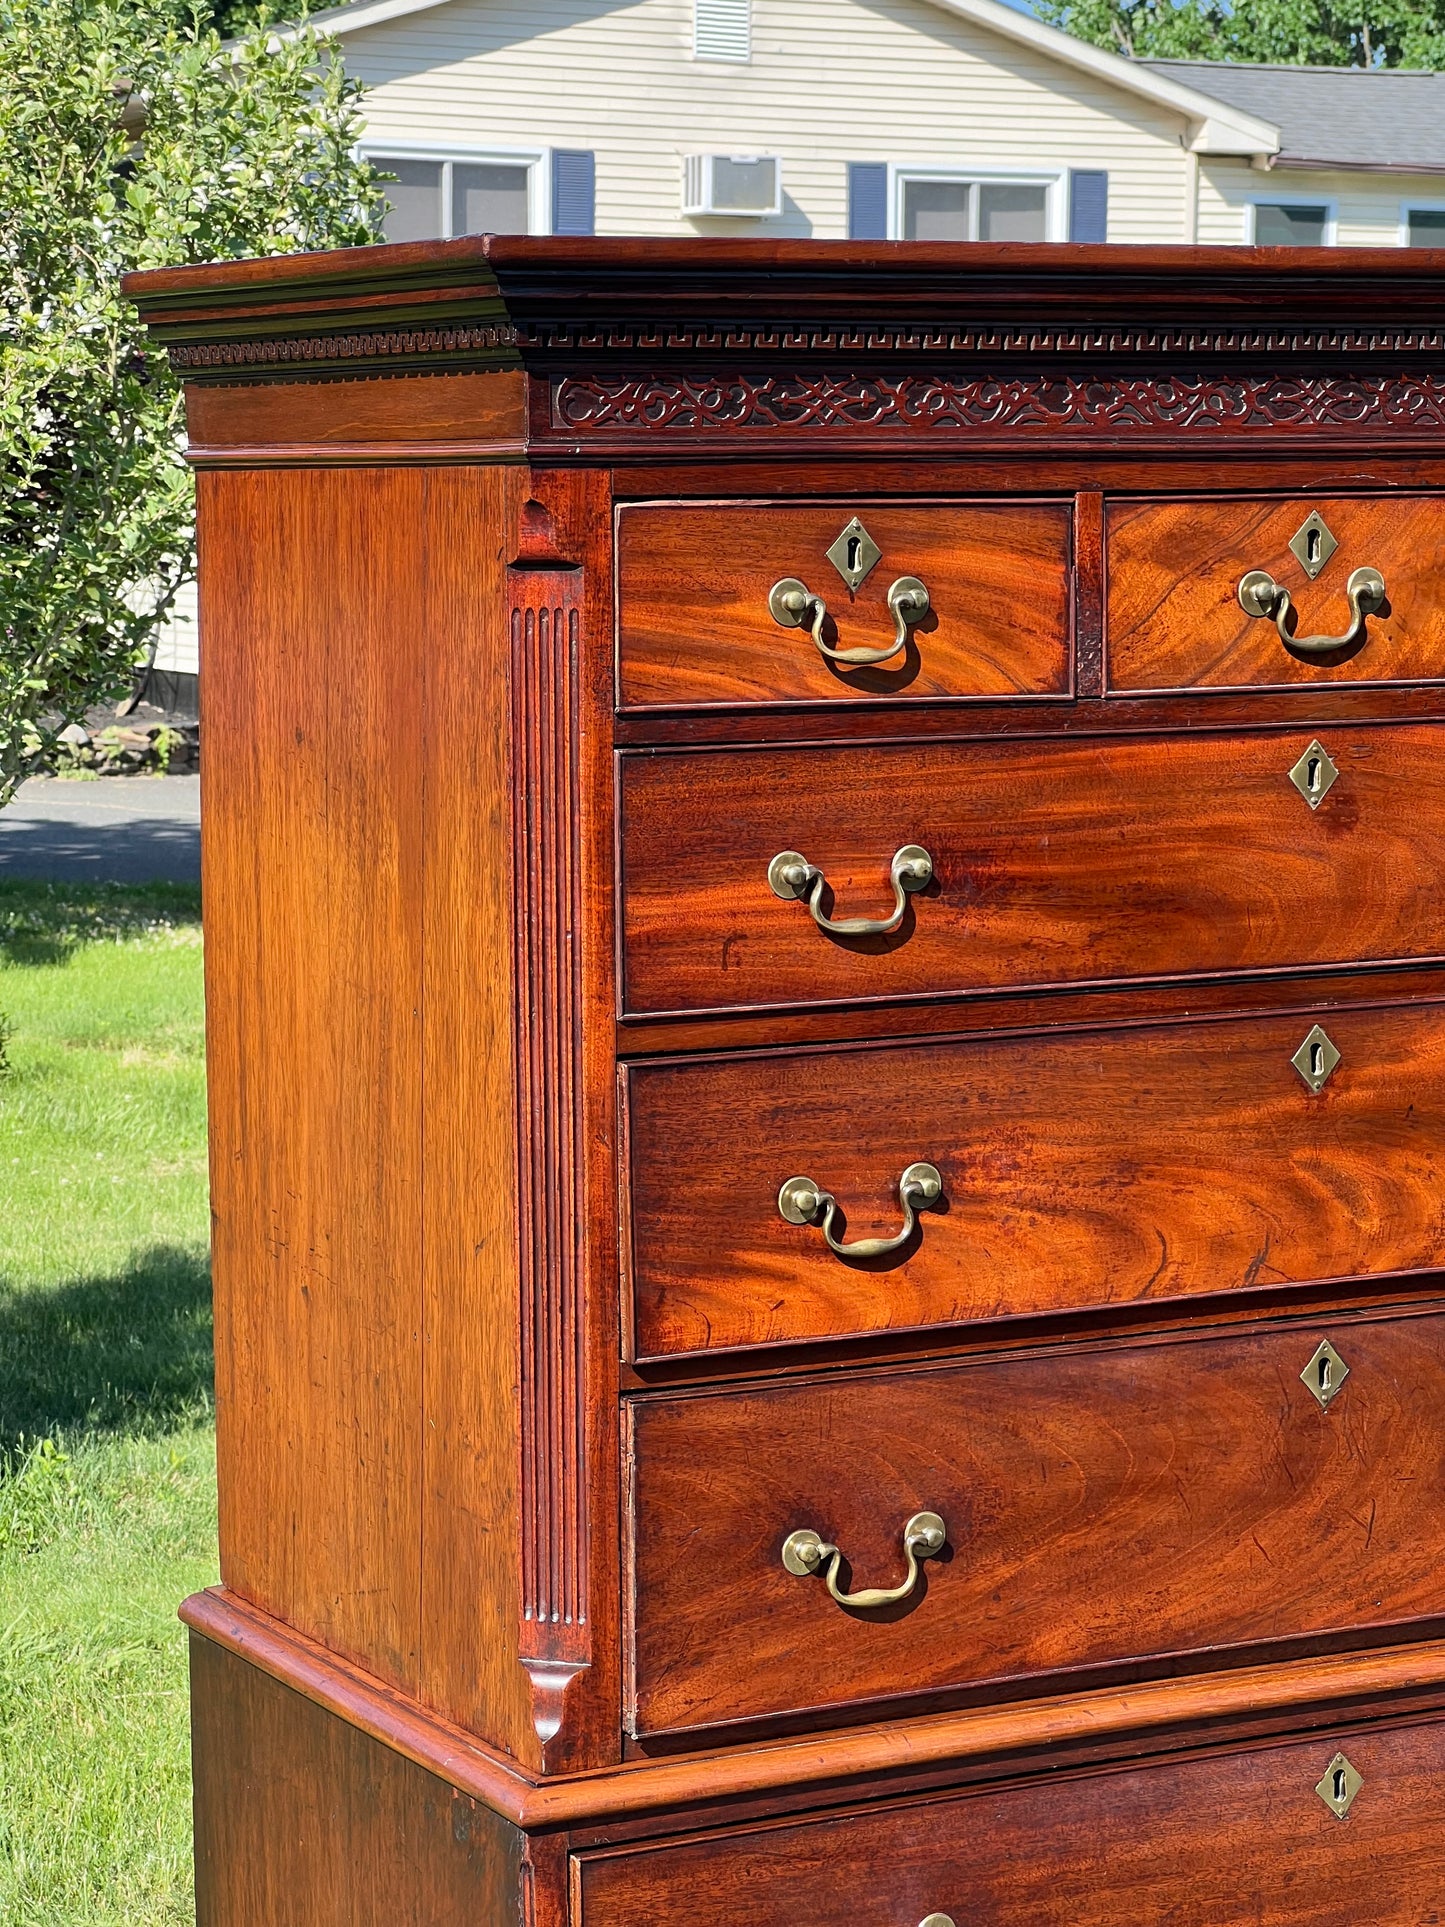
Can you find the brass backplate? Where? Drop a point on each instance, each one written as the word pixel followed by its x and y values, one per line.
pixel 1312 544
pixel 1315 1059
pixel 1325 1373
pixel 854 553
pixel 1315 774
pixel 1339 1786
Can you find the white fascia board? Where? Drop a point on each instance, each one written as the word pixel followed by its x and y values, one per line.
pixel 1215 127
pixel 367 13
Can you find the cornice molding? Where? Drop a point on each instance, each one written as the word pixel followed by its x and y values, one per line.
pixel 634 338
pixel 418 344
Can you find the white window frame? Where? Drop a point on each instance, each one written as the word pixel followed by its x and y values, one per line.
pixel 1420 204
pixel 1257 201
pixel 537 160
pixel 1054 179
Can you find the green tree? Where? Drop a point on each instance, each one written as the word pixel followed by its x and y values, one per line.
pixel 1356 33
pixel 130 137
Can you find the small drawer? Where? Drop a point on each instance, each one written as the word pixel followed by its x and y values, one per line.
pixel 1196 592
pixel 699 624
pixel 1075 1171
pixel 1122 1506
pixel 952 867
pixel 1237 1836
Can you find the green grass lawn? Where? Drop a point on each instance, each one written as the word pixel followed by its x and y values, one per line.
pixel 107 1462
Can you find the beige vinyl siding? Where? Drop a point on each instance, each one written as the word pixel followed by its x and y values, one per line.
pixel 1367 207
pixel 829 81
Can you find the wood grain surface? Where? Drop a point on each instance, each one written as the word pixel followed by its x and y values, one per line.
pixel 1089 1169
pixel 1121 1503
pixel 1206 1842
pixel 694 625
pixel 312 866
pixel 303 1821
pixel 1401 1680
pixel 1090 861
pixel 1173 614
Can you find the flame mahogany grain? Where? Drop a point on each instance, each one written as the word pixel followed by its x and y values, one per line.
pixel 1082 862
pixel 694 626
pixel 1174 617
pixel 1125 1503
pixel 1083 1170
pixel 1211 1841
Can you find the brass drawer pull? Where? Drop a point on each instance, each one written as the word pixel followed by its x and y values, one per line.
pixel 793 604
pixel 800 1201
pixel 804 1553
pixel 1261 595
pixel 791 876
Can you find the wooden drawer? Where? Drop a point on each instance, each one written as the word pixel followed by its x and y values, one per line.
pixel 1096 861
pixel 1174 616
pixel 695 628
pixel 1217 1841
pixel 1084 1169
pixel 1106 1506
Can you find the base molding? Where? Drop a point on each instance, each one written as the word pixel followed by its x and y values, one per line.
pixel 981 1744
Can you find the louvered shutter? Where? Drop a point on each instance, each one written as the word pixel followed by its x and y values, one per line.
pixel 867 200
pixel 1088 205
pixel 574 191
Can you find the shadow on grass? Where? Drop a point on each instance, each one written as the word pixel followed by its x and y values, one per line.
pixel 130 1353
pixel 43 923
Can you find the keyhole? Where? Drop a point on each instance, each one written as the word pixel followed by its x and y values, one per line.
pixel 1342 1785
pixel 1317 1060
pixel 1312 775
pixel 855 550
pixel 1324 1374
pixel 1312 545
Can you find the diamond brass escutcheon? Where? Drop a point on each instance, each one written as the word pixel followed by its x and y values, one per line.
pixel 1339 1786
pixel 1325 1373
pixel 854 553
pixel 1315 1059
pixel 1314 775
pixel 1312 544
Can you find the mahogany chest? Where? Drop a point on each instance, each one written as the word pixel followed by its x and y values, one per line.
pixel 827 1035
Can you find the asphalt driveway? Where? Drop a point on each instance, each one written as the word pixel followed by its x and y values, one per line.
pixel 118 829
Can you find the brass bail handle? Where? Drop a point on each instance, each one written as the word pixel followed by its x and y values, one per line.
pixel 806 1552
pixel 1261 595
pixel 794 606
pixel 791 876
pixel 800 1201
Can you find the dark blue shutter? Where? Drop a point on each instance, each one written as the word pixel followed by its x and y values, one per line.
pixel 867 200
pixel 574 191
pixel 1088 205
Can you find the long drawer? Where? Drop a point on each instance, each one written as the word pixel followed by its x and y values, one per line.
pixel 1065 862
pixel 1124 1504
pixel 1089 1169
pixel 1176 617
pixel 1241 1836
pixel 699 623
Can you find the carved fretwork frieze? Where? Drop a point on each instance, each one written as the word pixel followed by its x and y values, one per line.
pixel 555 1635
pixel 981 405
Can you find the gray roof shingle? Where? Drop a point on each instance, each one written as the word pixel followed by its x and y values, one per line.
pixel 1380 117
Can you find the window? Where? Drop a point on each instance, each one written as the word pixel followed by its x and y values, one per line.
pixel 1425 227
pixel 722 29
pixel 432 199
pixel 1280 224
pixel 940 208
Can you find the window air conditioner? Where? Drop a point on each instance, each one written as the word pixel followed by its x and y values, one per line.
pixel 750 184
